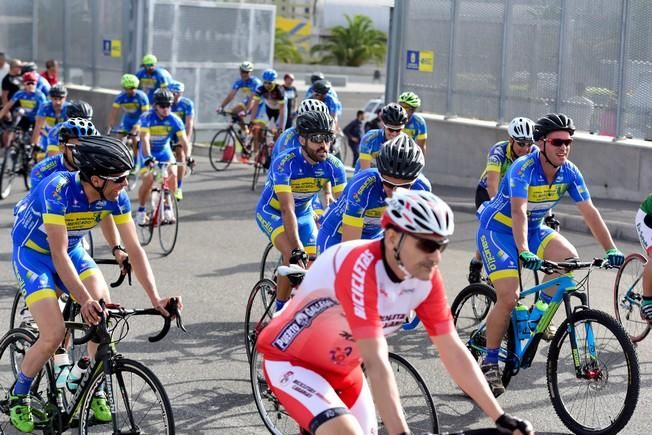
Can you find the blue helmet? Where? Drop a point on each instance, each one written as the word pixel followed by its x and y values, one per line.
pixel 176 86
pixel 269 75
pixel 76 128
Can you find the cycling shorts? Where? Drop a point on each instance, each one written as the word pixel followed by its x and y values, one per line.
pixel 644 230
pixel 499 254
pixel 266 114
pixel 37 276
pixel 312 398
pixel 165 155
pixel 270 223
pixel 127 124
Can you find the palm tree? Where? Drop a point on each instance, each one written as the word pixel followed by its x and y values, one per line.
pixel 354 45
pixel 284 49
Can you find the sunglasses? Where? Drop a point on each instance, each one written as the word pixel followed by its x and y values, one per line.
pixel 322 137
pixel 559 142
pixel 430 246
pixel 394 129
pixel 523 144
pixel 30 83
pixel 268 83
pixel 391 185
pixel 163 105
pixel 119 180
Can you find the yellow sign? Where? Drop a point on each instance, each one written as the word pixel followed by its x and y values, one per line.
pixel 426 61
pixel 116 48
pixel 299 31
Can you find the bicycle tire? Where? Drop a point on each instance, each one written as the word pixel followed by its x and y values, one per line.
pixel 270 262
pixel 8 171
pixel 146 230
pixel 123 395
pixel 168 231
pixel 258 312
pixel 628 293
pixel 28 164
pixel 418 406
pixel 259 165
pixel 221 142
pixel 623 406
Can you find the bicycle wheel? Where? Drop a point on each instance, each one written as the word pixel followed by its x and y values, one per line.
pixel 628 295
pixel 222 150
pixel 28 164
pixel 146 230
pixel 271 260
pixel 600 396
pixel 416 399
pixel 470 308
pixel 275 417
pixel 141 403
pixel 259 165
pixel 8 171
pixel 168 227
pixel 259 311
pixel 18 310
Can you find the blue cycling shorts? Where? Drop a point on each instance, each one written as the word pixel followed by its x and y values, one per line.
pixel 37 276
pixel 127 124
pixel 498 250
pixel 270 223
pixel 165 155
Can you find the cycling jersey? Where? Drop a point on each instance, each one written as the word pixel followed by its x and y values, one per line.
pixel 416 127
pixel 499 159
pixel 160 78
pixel 646 205
pixel 161 132
pixel 247 87
pixel 361 205
pixel 52 140
pixel 51 119
pixel 43 85
pixel 273 98
pixel 30 102
pixel 370 145
pixel 182 108
pixel 133 107
pixel 46 167
pixel 330 99
pixel 288 140
pixel 643 224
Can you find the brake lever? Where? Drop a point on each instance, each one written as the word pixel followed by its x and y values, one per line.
pixel 173 309
pixel 126 273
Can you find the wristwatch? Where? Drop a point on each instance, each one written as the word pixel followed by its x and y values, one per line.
pixel 117 247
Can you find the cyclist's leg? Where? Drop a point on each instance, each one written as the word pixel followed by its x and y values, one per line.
pixel 475 266
pixel 181 157
pixel 551 245
pixel 644 230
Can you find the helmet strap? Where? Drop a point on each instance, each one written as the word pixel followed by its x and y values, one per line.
pixel 68 162
pixel 546 156
pixel 397 256
pixel 100 190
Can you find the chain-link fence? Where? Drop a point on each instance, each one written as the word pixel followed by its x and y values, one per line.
pixel 496 59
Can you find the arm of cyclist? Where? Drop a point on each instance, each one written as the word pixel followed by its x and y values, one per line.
pixel 252 108
pixel 112 237
pixel 5 97
pixel 286 200
pixel 146 147
pixel 5 109
pixel 113 116
pixel 600 231
pixel 38 126
pixel 493 180
pixel 227 99
pixel 422 143
pixel 383 384
pixel 519 223
pixel 190 125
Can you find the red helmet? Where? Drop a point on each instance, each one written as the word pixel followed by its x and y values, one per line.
pixel 30 77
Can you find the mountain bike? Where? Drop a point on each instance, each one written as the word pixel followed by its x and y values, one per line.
pixel 161 211
pixel 224 144
pixel 628 296
pixel 17 160
pixel 136 397
pixel 591 365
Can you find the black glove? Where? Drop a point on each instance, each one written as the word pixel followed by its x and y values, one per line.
pixel 149 161
pixel 507 424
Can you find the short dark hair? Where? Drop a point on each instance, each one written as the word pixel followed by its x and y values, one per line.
pixel 359 112
pixel 50 63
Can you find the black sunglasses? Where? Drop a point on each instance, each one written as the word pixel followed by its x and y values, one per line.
pixel 119 180
pixel 164 105
pixel 524 144
pixel 430 246
pixel 559 142
pixel 394 129
pixel 322 137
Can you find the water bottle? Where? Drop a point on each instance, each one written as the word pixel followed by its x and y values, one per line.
pixel 61 367
pixel 77 372
pixel 521 314
pixel 538 309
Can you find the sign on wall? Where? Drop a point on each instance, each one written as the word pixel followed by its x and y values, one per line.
pixel 420 60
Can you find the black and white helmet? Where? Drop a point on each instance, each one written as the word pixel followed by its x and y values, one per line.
pixel 315 122
pixel 521 129
pixel 311 105
pixel 400 157
pixel 553 122
pixel 102 156
pixel 418 212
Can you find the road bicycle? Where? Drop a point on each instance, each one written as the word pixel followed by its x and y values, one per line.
pixel 132 141
pixel 226 141
pixel 592 368
pixel 17 160
pixel 263 159
pixel 628 296
pixel 161 211
pixel 137 399
pixel 270 261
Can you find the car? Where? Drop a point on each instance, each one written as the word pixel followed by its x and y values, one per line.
pixel 371 107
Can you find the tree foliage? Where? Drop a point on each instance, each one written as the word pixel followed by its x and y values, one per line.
pixel 284 50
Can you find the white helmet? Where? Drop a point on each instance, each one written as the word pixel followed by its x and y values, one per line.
pixel 418 212
pixel 521 129
pixel 312 105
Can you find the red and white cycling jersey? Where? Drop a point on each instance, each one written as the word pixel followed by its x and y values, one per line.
pixel 347 295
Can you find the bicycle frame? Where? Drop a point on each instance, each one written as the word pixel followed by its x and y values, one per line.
pixel 162 178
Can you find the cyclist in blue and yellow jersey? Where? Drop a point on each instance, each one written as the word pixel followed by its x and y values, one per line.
pixel 49 114
pixel 184 109
pixel 41 82
pixel 75 109
pixel 48 257
pixel 320 91
pixel 416 126
pixel 157 128
pixel 29 100
pixel 152 77
pixel 133 102
pixel 284 212
pixel 394 119
pixel 289 139
pixel 272 112
pixel 245 85
pixel 500 157
pixel 511 227
pixel 331 92
pixel 356 214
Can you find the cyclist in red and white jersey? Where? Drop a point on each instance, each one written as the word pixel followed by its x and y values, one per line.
pixel 354 295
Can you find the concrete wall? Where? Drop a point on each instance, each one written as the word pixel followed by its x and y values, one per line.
pixel 100 99
pixel 457 150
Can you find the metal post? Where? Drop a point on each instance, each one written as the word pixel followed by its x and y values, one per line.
pixel 175 40
pixel 451 60
pixel 504 81
pixel 64 37
pixel 35 30
pixel 396 20
pixel 562 53
pixel 128 29
pixel 621 71
pixel 150 28
pixel 139 22
pixel 94 42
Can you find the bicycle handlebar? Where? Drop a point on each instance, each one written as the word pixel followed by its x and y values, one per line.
pixel 549 267
pixel 126 271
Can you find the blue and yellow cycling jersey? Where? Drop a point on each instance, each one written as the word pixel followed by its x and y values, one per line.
pixel 331 93
pixel 362 204
pixel 416 127
pixel 247 87
pixel 51 118
pixel 29 101
pixel 161 130
pixel 43 85
pixel 499 159
pixel 292 173
pixel 525 179
pixel 160 78
pixel 182 108
pixel 60 200
pixel 370 145
pixel 288 140
pixel 132 105
pixel 47 167
pixel 52 141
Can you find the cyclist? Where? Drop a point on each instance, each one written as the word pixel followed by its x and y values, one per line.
pixel 356 214
pixel 394 117
pixel 354 295
pixel 644 230
pixel 247 85
pixel 511 227
pixel 289 139
pixel 11 82
pixel 273 97
pixel 500 157
pixel 315 77
pixel 29 100
pixel 291 95
pixel 152 77
pixel 184 109
pixel 48 256
pixel 157 128
pixel 41 83
pixel 76 109
pixel 416 126
pixel 284 212
pixel 133 102
pixel 321 91
pixel 48 115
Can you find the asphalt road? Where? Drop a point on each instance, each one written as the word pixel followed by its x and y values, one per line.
pixel 213 267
